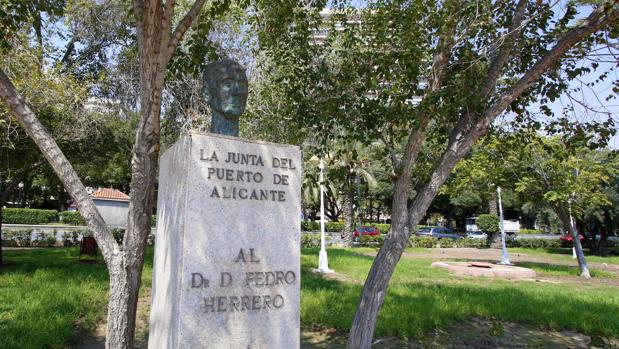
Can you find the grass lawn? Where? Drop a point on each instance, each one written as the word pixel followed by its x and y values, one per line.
pixel 421 298
pixel 565 254
pixel 47 297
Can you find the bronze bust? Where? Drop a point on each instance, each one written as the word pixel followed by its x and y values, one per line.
pixel 225 90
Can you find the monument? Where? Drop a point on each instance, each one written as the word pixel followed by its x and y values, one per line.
pixel 225 90
pixel 227 252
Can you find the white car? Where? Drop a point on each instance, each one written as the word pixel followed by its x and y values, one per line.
pixel 478 235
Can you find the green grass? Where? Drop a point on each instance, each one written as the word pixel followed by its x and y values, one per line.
pixel 562 270
pixel 565 254
pixel 421 298
pixel 46 295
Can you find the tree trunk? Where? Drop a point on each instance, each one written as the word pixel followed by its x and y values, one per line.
pixel 602 243
pixel 470 127
pixel 1 204
pixel 493 203
pixel 580 255
pixel 156 45
pixel 348 211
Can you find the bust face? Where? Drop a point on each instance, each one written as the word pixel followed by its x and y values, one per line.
pixel 225 88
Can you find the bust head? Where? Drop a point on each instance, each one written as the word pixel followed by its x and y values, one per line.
pixel 225 88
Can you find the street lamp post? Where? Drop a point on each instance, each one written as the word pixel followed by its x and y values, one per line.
pixel 504 256
pixel 323 261
pixel 20 191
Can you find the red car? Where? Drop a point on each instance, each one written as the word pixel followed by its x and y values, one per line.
pixel 365 230
pixel 567 239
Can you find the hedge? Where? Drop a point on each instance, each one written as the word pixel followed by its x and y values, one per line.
pixel 529 231
pixel 339 226
pixel 429 242
pixel 71 218
pixel 534 243
pixel 28 216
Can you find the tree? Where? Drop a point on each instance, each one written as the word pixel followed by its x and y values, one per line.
pixel 566 179
pixel 469 62
pixel 488 223
pixel 158 39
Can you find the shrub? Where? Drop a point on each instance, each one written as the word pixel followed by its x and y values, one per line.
pixel 429 242
pixel 488 223
pixel 71 218
pixel 45 240
pixel 383 228
pixel 119 234
pixel 70 238
pixel 333 226
pixel 368 240
pixel 83 233
pixel 310 240
pixel 534 243
pixel 19 238
pixel 529 231
pixel 310 225
pixel 422 241
pixel 28 216
pixel 315 225
pixel 153 220
pixel 8 238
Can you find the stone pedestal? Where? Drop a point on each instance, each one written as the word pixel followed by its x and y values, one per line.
pixel 227 250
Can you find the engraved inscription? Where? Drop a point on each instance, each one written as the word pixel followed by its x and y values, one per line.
pixel 252 279
pixel 246 176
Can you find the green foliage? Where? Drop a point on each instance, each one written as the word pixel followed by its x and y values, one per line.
pixel 16 14
pixel 71 218
pixel 339 226
pixel 310 240
pixel 383 228
pixel 45 240
pixel 28 216
pixel 153 220
pixel 310 225
pixel 557 174
pixel 429 242
pixel 17 238
pixel 529 231
pixel 70 238
pixel 488 223
pixel 372 241
pixel 119 235
pixel 533 243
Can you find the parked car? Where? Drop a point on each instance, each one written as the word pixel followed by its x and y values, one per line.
pixel 567 239
pixel 437 232
pixel 477 235
pixel 364 230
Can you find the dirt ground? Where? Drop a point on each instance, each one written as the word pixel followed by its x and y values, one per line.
pixel 476 334
pixel 494 256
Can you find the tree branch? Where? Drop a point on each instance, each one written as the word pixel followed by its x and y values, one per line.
pixel 18 177
pixel 497 65
pixel 464 136
pixel 182 27
pixel 59 163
